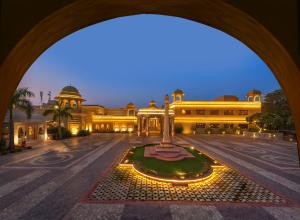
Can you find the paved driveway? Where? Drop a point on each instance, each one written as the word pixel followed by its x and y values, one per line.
pixel 53 181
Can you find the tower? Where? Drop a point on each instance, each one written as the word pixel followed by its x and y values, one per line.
pixel 178 95
pixel 253 96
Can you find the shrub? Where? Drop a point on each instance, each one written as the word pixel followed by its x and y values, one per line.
pixel 253 129
pixel 208 130
pixel 52 130
pixel 65 133
pixel 221 130
pixel 83 133
pixel 178 129
pixel 237 130
pixel 2 143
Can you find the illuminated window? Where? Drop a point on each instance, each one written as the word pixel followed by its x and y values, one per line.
pixel 200 112
pixel 188 112
pixel 228 126
pixel 30 131
pixel 228 112
pixel 243 112
pixel 214 125
pixel 243 126
pixel 200 125
pixel 131 112
pixel 214 112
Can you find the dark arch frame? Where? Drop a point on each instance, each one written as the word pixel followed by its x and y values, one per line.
pixel 215 13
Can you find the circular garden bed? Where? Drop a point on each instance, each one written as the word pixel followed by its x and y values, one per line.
pixel 196 168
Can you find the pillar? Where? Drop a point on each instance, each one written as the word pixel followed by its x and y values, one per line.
pixel 172 126
pixel 147 126
pixel 139 126
pixel 15 134
pixel 45 131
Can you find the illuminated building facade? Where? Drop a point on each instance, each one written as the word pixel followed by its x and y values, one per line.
pixel 225 112
pixel 96 118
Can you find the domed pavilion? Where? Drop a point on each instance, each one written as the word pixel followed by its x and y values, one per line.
pixel 70 96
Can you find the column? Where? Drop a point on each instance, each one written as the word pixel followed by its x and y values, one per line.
pixel 172 126
pixel 45 131
pixel 147 126
pixel 139 126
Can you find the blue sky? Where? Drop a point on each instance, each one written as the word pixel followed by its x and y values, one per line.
pixel 143 57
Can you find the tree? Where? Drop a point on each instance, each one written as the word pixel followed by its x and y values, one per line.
pixel 19 100
pixel 266 120
pixel 276 113
pixel 59 112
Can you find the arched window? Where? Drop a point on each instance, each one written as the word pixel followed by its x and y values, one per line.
pixel 20 133
pixel 30 131
pixel 257 98
pixel 41 130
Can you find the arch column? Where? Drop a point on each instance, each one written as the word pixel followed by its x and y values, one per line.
pixel 275 46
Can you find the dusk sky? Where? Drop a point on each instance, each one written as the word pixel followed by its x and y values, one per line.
pixel 139 58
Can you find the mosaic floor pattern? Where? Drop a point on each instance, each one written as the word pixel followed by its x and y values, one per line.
pixel 225 185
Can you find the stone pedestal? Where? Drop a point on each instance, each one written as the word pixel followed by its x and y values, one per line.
pixel 171 153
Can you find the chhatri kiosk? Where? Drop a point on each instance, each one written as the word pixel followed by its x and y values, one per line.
pixel 150 120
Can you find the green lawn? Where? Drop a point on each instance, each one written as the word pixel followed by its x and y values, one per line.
pixel 190 168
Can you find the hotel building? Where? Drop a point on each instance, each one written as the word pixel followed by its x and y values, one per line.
pixel 189 115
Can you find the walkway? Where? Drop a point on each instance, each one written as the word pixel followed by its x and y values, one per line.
pixel 53 181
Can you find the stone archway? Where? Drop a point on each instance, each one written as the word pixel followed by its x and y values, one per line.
pixel 67 16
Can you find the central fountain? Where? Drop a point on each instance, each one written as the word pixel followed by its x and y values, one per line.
pixel 166 150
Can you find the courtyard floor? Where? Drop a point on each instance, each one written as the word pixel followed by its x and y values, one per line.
pixel 79 178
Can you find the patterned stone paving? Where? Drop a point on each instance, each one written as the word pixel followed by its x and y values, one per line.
pixel 33 187
pixel 68 152
pixel 225 185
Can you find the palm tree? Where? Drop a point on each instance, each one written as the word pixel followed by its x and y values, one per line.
pixel 59 112
pixel 19 100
